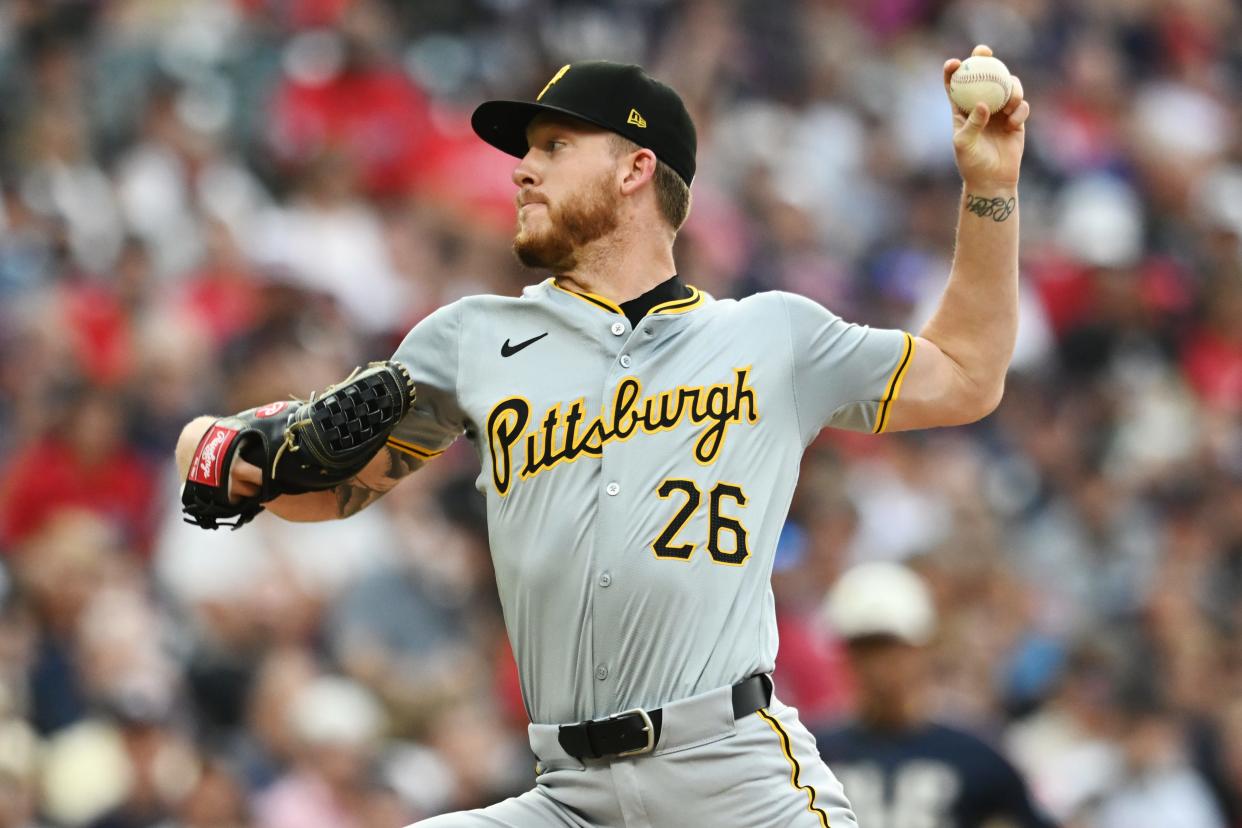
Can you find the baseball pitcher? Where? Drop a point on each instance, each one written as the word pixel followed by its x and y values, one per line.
pixel 639 443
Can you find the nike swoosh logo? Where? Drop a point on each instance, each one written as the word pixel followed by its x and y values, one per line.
pixel 508 350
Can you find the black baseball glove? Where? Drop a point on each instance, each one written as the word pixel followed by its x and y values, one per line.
pixel 300 446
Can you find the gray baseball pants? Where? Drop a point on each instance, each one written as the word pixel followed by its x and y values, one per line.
pixel 760 771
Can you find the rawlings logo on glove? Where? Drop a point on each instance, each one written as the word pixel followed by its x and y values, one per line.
pixel 317 445
pixel 206 469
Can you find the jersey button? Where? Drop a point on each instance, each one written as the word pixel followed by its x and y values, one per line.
pixel 605 579
pixel 601 672
pixel 617 328
pixel 612 488
pixel 625 360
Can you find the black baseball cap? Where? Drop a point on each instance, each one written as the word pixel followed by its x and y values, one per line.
pixel 619 97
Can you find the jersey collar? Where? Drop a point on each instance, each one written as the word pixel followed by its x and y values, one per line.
pixel 669 292
pixel 670 296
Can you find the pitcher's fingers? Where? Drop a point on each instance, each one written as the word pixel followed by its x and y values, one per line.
pixel 976 120
pixel 1016 96
pixel 981 51
pixel 950 66
pixel 248 472
pixel 245 479
pixel 1018 117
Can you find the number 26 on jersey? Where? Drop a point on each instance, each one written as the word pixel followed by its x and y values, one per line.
pixel 726 536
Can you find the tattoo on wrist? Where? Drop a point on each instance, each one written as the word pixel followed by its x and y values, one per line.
pixel 997 209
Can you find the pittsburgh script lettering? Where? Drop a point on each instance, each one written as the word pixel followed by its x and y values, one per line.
pixel 563 436
pixel 998 209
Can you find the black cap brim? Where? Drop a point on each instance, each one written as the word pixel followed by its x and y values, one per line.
pixel 503 123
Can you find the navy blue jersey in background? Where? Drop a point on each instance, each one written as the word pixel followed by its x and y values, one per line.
pixel 930 777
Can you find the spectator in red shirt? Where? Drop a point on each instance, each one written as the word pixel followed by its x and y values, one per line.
pixel 1212 358
pixel 82 461
pixel 341 94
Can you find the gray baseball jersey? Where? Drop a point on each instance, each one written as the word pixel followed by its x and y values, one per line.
pixel 637 478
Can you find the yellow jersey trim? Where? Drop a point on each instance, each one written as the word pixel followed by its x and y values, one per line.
pixel 688 303
pixel 795 770
pixel 413 450
pixel 894 386
pixel 696 298
pixel 598 301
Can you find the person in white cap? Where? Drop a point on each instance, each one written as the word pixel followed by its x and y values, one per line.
pixel 334 780
pixel 898 767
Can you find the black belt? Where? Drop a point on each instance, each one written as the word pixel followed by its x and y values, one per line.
pixel 638 731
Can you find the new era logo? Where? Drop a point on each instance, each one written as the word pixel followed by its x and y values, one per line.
pixel 636 119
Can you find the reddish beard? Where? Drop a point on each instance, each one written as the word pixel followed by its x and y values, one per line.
pixel 579 219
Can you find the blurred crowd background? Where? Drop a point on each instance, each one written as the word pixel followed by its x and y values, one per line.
pixel 206 205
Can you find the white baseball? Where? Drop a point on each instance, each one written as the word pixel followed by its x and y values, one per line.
pixel 980 79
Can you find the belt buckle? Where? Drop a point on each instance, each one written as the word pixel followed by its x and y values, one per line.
pixel 648 728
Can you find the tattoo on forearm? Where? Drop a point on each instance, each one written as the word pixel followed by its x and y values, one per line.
pixel 400 464
pixel 354 495
pixel 997 209
pixel 352 499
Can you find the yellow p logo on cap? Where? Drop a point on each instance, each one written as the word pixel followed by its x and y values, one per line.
pixel 560 73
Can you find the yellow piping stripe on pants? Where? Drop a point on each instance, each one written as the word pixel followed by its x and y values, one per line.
pixel 794 768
